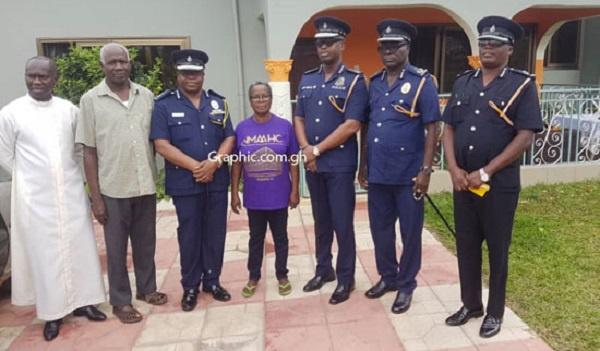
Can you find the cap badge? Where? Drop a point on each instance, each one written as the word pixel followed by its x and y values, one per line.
pixel 405 88
pixel 388 29
pixel 493 29
pixel 189 59
pixel 214 104
pixel 324 25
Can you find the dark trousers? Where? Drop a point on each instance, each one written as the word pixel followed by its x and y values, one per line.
pixel 201 235
pixel 277 220
pixel 333 199
pixel 387 203
pixel 491 219
pixel 130 218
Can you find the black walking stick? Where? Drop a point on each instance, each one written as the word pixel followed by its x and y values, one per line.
pixel 437 210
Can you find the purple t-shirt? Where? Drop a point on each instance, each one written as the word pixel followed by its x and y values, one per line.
pixel 266 150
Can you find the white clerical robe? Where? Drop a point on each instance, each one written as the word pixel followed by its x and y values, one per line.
pixel 54 257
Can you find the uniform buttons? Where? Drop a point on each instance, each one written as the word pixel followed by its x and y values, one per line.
pixel 205 143
pixel 317 138
pixel 471 147
pixel 473 128
pixel 481 94
pixel 178 122
pixel 387 94
pixel 202 126
pixel 376 140
pixel 458 103
pixel 320 103
pixel 379 124
pixel 401 101
pixel 476 112
pixel 383 109
pixel 342 146
pixel 176 167
pixel 323 86
pixel 317 120
pixel 401 149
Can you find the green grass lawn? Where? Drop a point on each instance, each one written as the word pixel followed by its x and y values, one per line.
pixel 554 266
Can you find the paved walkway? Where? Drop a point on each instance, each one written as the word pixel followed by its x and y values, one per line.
pixel 267 321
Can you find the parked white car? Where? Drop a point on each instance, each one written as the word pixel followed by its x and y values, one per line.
pixel 5 185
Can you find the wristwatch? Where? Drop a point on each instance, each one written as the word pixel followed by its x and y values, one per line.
pixel 426 169
pixel 484 176
pixel 316 151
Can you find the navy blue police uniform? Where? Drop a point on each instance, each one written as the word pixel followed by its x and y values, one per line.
pixel 485 120
pixel 395 147
pixel 201 207
pixel 325 105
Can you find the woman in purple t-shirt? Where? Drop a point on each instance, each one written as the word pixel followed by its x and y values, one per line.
pixel 267 152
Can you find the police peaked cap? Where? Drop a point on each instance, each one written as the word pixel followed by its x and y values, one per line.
pixel 396 30
pixel 329 27
pixel 499 28
pixel 189 60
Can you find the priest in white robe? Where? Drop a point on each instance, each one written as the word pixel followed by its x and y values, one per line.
pixel 54 257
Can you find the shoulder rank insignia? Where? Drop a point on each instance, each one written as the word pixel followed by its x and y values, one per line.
pixel 376 74
pixel 164 94
pixel 312 70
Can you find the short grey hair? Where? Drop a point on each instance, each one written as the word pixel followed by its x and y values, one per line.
pixel 258 83
pixel 110 46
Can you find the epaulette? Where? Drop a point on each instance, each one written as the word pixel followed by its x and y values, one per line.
pixel 213 93
pixel 417 71
pixel 164 94
pixel 376 74
pixel 525 73
pixel 353 71
pixel 312 70
pixel 465 72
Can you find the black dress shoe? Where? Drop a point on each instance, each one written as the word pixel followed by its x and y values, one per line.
pixel 51 329
pixel 189 300
pixel 462 316
pixel 218 292
pixel 379 289
pixel 401 303
pixel 341 293
pixel 91 312
pixel 317 282
pixel 490 326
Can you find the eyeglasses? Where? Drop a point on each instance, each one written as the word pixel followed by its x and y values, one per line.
pixel 326 41
pixel 495 43
pixel 391 47
pixel 260 97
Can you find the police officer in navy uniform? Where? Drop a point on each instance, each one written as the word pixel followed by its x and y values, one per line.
pixel 332 105
pixel 400 144
pixel 192 130
pixel 489 122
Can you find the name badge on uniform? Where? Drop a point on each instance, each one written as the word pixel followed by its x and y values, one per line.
pixel 177 114
pixel 405 88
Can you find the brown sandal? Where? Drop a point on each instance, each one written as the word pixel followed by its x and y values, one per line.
pixel 127 317
pixel 155 298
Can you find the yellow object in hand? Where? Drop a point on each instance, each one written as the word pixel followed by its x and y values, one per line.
pixel 484 188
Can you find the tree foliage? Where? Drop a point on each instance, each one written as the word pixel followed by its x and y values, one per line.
pixel 80 71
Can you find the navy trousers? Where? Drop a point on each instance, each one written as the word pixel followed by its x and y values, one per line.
pixel 277 221
pixel 488 218
pixel 201 235
pixel 387 203
pixel 332 196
